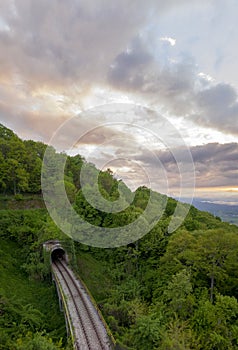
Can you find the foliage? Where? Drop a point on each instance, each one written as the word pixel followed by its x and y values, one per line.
pixel 165 291
pixel 26 306
pixel 21 163
pixel 169 291
pixel 36 341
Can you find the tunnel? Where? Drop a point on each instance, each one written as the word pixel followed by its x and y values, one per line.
pixel 58 254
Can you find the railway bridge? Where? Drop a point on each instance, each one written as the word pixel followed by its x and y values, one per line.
pixel 84 322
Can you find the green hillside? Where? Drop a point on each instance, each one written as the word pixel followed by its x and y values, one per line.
pixel 30 317
pixel 166 291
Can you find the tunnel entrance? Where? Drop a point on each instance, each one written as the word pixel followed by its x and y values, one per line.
pixel 58 254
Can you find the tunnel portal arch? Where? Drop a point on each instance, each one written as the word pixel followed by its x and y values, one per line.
pixel 58 254
pixel 56 251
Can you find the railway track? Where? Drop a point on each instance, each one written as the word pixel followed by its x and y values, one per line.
pixel 89 330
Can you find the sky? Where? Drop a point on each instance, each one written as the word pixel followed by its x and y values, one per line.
pixel 145 88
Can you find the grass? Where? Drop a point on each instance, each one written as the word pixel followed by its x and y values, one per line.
pixel 16 287
pixel 28 201
pixel 91 271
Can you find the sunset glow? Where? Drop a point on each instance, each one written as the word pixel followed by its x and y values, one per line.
pixel 176 58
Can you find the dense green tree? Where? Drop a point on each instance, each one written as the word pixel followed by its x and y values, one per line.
pixel 147 332
pixel 179 336
pixel 36 342
pixel 17 176
pixel 216 324
pixel 213 250
pixel 178 294
pixel 73 167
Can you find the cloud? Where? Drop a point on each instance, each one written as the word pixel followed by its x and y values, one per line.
pixel 127 68
pixel 71 47
pixel 218 107
pixel 171 41
pixel 171 86
pixel 31 124
pixel 206 77
pixel 177 87
pixel 60 42
pixel 215 164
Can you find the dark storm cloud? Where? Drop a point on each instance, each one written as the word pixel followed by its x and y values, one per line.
pixel 215 164
pixel 126 69
pixel 59 44
pixel 170 84
pixel 56 42
pixel 215 152
pixel 177 87
pixel 218 106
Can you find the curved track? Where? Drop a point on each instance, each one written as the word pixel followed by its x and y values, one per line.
pixel 89 331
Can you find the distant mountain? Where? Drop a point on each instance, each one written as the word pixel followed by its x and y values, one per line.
pixel 226 212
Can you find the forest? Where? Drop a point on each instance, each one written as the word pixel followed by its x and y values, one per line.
pixel 167 290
